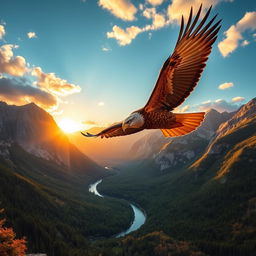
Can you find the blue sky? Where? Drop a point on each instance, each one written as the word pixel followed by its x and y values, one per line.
pixel 105 81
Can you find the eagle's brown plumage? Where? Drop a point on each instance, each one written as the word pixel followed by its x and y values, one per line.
pixel 177 79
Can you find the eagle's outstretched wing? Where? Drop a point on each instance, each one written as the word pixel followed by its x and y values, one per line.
pixel 113 131
pixel 182 70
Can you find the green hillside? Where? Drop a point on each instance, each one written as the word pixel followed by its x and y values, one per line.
pixel 53 208
pixel 210 202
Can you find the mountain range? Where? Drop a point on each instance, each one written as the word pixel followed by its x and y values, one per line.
pixel 36 132
pixel 199 187
pixel 44 185
pixel 198 190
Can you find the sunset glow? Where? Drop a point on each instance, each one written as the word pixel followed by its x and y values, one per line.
pixel 70 126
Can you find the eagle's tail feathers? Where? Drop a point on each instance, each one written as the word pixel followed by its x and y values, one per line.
pixel 189 121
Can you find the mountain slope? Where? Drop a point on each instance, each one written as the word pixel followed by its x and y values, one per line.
pixel 36 132
pixel 231 140
pixel 44 186
pixel 107 152
pixel 167 153
pixel 210 201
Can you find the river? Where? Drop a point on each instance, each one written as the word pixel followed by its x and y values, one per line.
pixel 139 216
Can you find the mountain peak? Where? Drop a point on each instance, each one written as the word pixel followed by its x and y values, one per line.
pixel 2 103
pixel 32 107
pixel 34 130
pixel 212 110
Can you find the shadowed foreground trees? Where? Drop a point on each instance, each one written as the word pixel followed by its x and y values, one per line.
pixel 9 245
pixel 153 244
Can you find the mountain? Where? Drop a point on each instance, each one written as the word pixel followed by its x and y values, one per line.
pixel 36 132
pixel 233 141
pixel 44 186
pixel 107 152
pixel 210 199
pixel 179 151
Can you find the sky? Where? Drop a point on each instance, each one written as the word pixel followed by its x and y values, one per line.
pixel 93 62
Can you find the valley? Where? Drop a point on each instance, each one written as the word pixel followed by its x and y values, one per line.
pixel 198 190
pixel 139 216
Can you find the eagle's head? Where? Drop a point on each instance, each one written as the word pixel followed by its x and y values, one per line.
pixel 134 120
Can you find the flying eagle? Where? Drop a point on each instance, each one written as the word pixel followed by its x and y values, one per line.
pixel 177 79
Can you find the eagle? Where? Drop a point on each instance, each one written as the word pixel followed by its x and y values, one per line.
pixel 177 79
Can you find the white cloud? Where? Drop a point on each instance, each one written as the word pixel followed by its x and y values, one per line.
pixel 126 36
pixel 2 31
pixel 182 109
pixel 225 86
pixel 182 7
pixel 149 12
pixel 31 35
pixel 15 66
pixel 234 34
pixel 159 20
pixel 155 2
pixel 51 83
pixel 238 99
pixel 122 9
pixel 105 49
pixel 220 105
pixel 101 104
pixel 245 42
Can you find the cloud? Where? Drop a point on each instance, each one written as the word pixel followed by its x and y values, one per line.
pixel 15 66
pixel 238 99
pixel 182 7
pixel 159 20
pixel 57 112
pixel 225 86
pixel 31 35
pixel 234 34
pixel 220 105
pixel 155 2
pixel 53 84
pixel 2 31
pixel 19 92
pixel 105 49
pixel 185 108
pixel 245 42
pixel 182 109
pixel 149 12
pixel 122 9
pixel 126 36
pixel 101 104
pixel 90 122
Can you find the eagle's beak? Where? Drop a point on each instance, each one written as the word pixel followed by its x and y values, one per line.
pixel 125 126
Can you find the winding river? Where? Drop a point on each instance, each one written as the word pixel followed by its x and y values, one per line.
pixel 139 216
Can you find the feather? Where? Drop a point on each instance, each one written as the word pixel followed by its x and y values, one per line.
pixel 182 70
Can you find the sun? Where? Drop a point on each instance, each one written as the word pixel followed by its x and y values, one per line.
pixel 69 126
